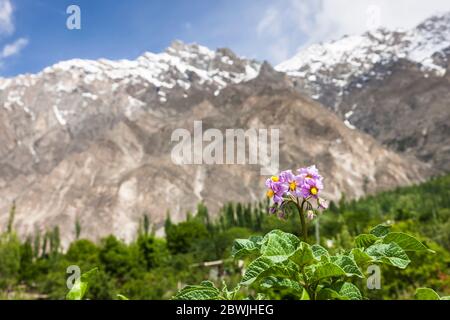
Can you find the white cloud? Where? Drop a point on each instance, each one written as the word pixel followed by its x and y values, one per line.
pixel 7 28
pixel 6 15
pixel 287 25
pixel 14 48
pixel 271 22
pixel 336 18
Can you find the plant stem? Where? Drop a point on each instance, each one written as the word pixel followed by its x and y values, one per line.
pixel 302 218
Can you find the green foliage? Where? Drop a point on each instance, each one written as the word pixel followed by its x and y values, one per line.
pixel 10 253
pixel 426 206
pixel 181 237
pixel 12 214
pixel 151 251
pixel 77 229
pixel 26 260
pixel 283 261
pixel 429 294
pixel 204 291
pixel 83 250
pixel 115 258
pixel 81 285
pixel 154 268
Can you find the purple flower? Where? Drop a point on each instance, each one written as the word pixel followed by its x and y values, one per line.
pixel 307 185
pixel 310 182
pixel 286 176
pixel 277 189
pixel 311 188
pixel 309 172
pixel 273 179
pixel 292 182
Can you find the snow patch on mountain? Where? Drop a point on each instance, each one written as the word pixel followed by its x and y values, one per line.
pixel 354 60
pixel 59 115
pixel 181 65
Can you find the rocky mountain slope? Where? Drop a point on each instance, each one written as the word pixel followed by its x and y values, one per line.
pixel 393 85
pixel 91 140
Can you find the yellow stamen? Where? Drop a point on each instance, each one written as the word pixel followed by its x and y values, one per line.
pixel 314 191
pixel 270 193
pixel 292 185
pixel 275 179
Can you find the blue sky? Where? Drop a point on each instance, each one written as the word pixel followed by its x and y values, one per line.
pixel 33 33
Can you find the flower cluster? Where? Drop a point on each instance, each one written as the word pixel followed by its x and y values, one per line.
pixel 304 186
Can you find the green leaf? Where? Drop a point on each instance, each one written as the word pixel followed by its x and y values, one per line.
pixel 426 294
pixel 246 247
pixel 259 296
pixel 279 245
pixel 347 290
pixel 255 269
pixel 380 230
pixel 405 241
pixel 361 258
pixel 305 295
pixel 229 295
pixel 340 291
pixel 319 252
pixel 282 283
pixel 348 265
pixel 326 270
pixel 81 285
pixel 328 294
pixel 390 253
pixel 365 240
pixel 204 291
pixel 265 266
pixel 445 298
pixel 303 255
pixel 122 297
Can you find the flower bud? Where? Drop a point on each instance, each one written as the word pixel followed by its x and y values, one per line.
pixel 323 204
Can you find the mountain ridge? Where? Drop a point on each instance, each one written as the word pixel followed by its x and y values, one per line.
pixel 91 140
pixel 375 79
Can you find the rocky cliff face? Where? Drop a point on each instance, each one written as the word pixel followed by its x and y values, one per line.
pixel 390 84
pixel 91 140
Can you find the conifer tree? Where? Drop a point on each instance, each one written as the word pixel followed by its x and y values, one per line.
pixel 77 229
pixel 240 215
pixel 36 244
pixel 12 213
pixel 146 224
pixel 167 223
pixel 229 215
pixel 248 216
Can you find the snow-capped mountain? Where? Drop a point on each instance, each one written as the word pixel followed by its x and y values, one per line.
pixel 180 68
pixel 330 70
pixel 181 65
pixel 393 85
pixel 68 94
pixel 91 140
